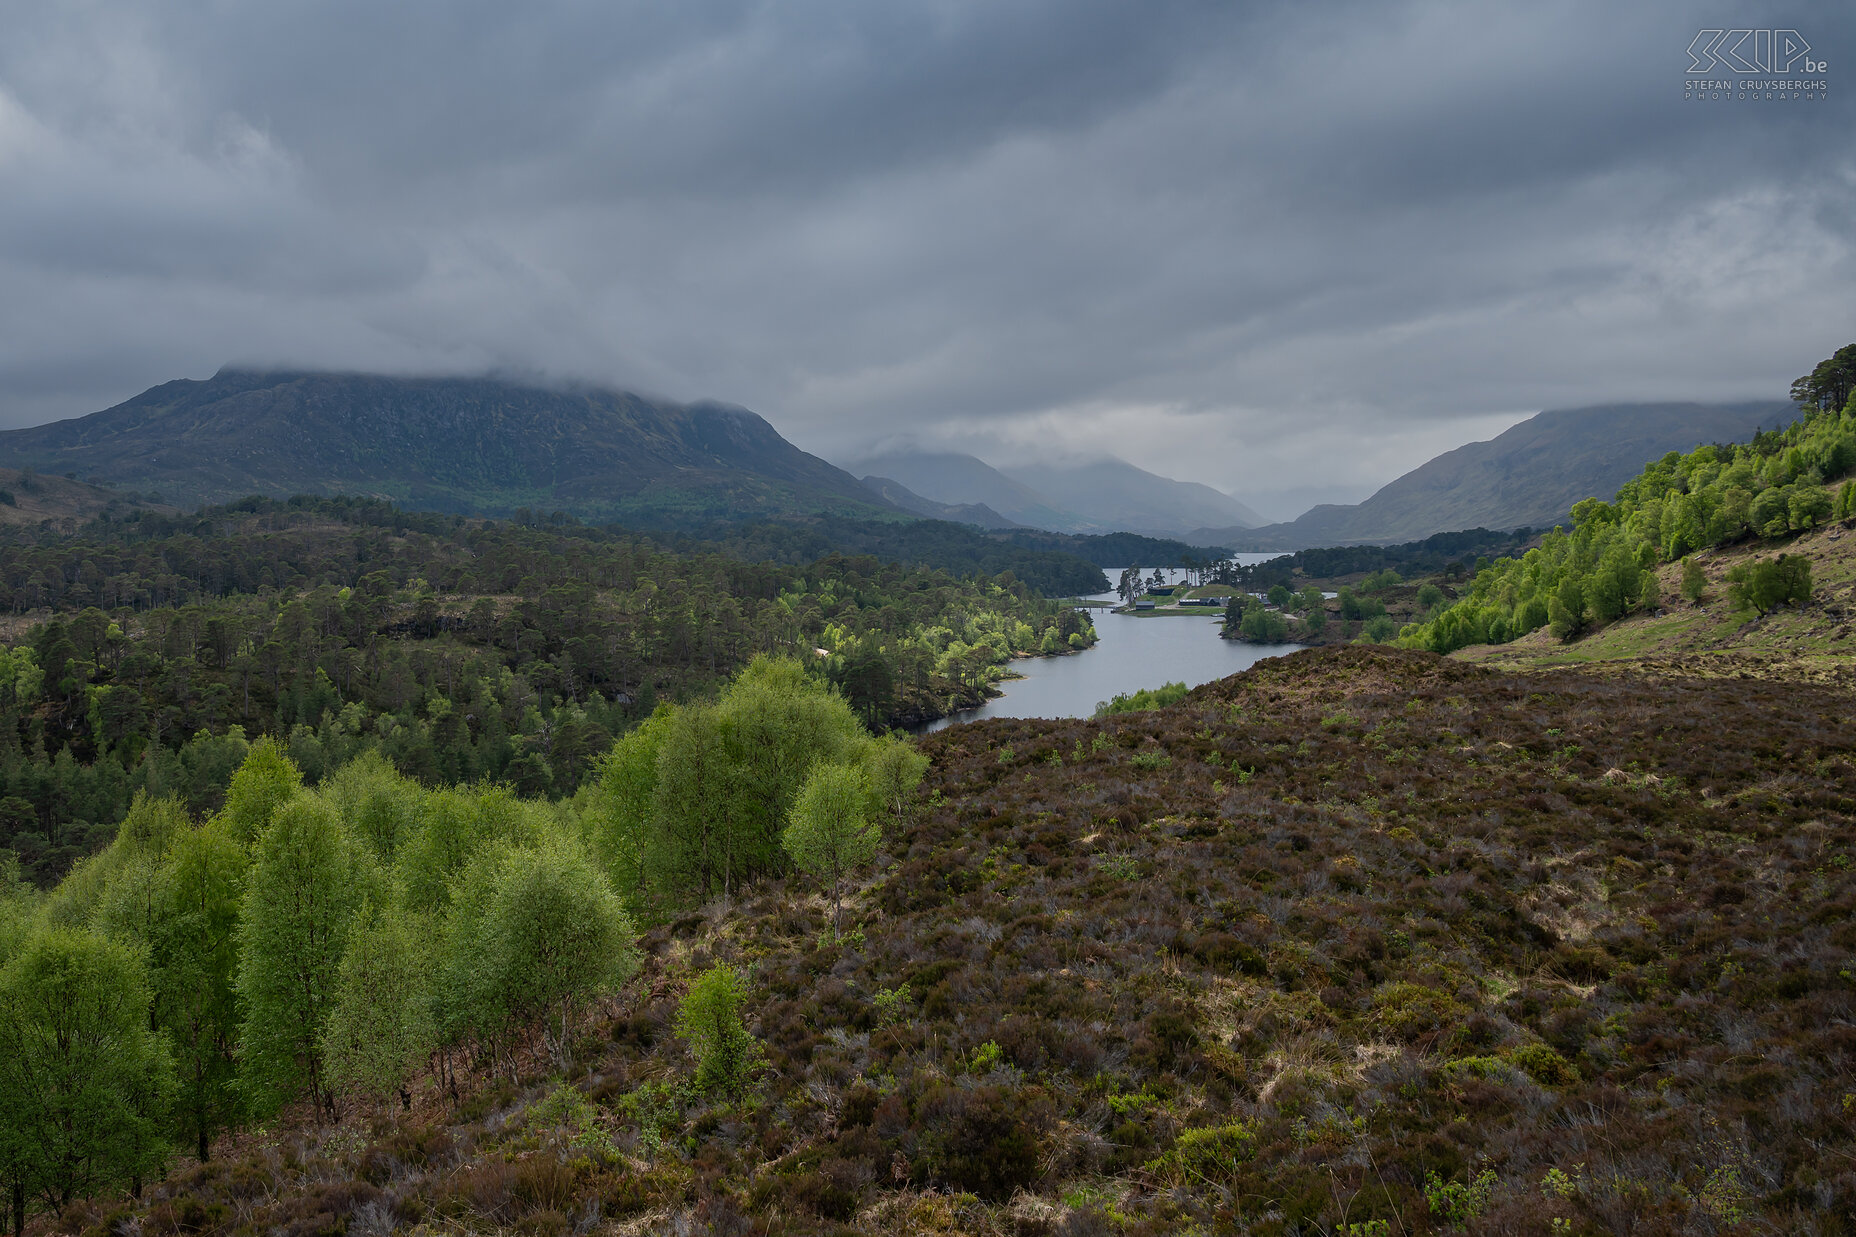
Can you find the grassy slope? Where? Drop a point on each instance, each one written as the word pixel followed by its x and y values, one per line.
pixel 1391 913
pixel 1812 642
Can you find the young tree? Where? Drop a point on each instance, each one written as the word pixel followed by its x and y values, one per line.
pixel 709 1021
pixel 193 955
pixel 1694 580
pixel 306 881
pixel 693 843
pixel 829 835
pixel 84 1081
pixel 381 1025
pixel 378 806
pixel 556 933
pixel 625 795
pixel 894 768
pixel 1766 585
pixel 777 723
pixel 263 784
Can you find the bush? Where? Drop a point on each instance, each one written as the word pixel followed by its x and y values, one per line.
pixel 1212 1155
pixel 1544 1065
pixel 709 1021
pixel 982 1140
pixel 1770 583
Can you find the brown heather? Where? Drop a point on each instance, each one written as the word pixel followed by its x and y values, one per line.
pixel 1267 961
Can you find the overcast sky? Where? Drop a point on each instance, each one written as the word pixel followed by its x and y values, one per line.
pixel 1288 250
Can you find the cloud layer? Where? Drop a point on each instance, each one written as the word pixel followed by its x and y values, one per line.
pixel 1287 250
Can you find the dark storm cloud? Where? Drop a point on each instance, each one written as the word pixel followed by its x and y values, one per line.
pixel 1276 248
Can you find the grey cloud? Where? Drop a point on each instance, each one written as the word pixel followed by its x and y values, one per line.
pixel 1279 248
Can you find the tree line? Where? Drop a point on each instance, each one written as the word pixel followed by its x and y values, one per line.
pixel 320 945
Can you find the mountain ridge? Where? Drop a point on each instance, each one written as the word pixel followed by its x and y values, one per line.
pixel 1530 475
pixel 1101 496
pixel 468 444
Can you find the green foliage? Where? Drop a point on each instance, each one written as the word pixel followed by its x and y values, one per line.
pixel 1457 1203
pixel 1544 1065
pixel 381 1025
pixel 264 783
pixel 570 1117
pixel 555 934
pixel 1146 698
pixel 830 835
pixel 1210 1155
pixel 1766 585
pixel 193 959
pixel 620 815
pixel 84 1081
pixel 895 768
pixel 1773 486
pixel 307 879
pixel 378 806
pixel 1263 626
pixel 709 1022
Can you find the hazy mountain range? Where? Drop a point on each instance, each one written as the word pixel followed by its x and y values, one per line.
pixel 486 446
pixel 1531 474
pixel 1099 496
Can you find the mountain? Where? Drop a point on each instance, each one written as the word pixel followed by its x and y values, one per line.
pixel 1531 474
pixel 962 480
pixel 1115 494
pixel 1100 497
pixel 899 495
pixel 453 444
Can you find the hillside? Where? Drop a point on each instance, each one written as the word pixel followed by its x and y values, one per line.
pixel 1528 476
pixel 1115 494
pixel 1361 941
pixel 1709 636
pixel 28 497
pixel 962 480
pixel 897 494
pixel 474 445
pixel 1103 496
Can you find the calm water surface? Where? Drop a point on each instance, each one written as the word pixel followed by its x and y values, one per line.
pixel 1130 653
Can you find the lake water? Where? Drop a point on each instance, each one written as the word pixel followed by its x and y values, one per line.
pixel 1130 653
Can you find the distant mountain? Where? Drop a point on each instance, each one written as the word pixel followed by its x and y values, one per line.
pixel 1101 497
pixel 474 445
pixel 1115 494
pixel 962 480
pixel 899 495
pixel 1529 475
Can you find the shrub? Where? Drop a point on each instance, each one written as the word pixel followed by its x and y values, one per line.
pixel 709 1021
pixel 1458 1202
pixel 1212 1155
pixel 1544 1065
pixel 984 1139
pixel 1766 585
